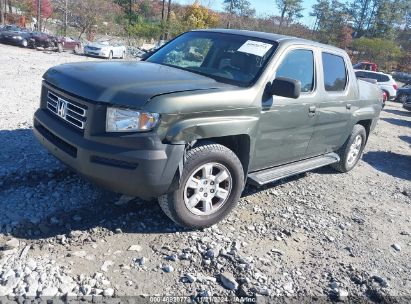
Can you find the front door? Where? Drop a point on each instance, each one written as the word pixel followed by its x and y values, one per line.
pixel 287 125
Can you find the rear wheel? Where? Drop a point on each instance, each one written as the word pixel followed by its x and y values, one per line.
pixel 386 96
pixel 60 48
pixel 211 184
pixel 402 97
pixel 350 153
pixel 110 56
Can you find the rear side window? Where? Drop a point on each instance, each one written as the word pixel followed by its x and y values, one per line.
pixel 383 78
pixel 372 76
pixel 298 65
pixel 335 73
pixel 360 74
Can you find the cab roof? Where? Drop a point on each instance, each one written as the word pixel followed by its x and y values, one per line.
pixel 280 39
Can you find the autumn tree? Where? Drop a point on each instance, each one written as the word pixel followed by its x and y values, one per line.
pixel 377 50
pixel 46 10
pixel 290 10
pixel 198 17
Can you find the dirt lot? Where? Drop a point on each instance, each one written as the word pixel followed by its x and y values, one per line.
pixel 318 236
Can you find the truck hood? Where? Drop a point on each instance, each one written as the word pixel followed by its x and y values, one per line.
pixel 125 83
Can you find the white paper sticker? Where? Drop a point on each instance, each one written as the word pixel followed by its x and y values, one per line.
pixel 255 47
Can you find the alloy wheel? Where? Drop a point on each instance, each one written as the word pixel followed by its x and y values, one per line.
pixel 207 189
pixel 355 150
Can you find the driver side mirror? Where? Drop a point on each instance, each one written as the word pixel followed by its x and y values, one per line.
pixel 285 87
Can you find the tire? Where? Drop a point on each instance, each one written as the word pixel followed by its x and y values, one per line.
pixel 349 156
pixel 210 207
pixel 123 56
pixel 24 43
pixel 76 49
pixel 60 48
pixel 402 98
pixel 110 56
pixel 387 96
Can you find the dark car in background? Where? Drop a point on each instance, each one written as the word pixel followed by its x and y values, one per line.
pixel 47 41
pixel 70 44
pixel 10 27
pixel 403 93
pixel 402 77
pixel 39 39
pixel 19 38
pixel 407 104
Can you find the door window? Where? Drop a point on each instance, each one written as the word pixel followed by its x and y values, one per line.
pixel 299 65
pixel 335 73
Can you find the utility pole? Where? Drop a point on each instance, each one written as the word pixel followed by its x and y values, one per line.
pixel 168 19
pixel 39 15
pixel 129 12
pixel 163 12
pixel 65 17
pixel 231 13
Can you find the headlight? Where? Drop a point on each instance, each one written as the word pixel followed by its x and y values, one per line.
pixel 127 120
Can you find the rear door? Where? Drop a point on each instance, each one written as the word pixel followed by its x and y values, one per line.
pixel 286 125
pixel 338 100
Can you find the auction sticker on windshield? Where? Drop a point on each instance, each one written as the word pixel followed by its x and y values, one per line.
pixel 255 47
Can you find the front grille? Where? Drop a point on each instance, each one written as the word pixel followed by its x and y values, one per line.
pixel 92 48
pixel 70 112
pixel 113 162
pixel 57 141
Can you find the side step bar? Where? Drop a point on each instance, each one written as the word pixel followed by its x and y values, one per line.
pixel 273 174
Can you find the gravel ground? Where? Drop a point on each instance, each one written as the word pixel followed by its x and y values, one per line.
pixel 318 236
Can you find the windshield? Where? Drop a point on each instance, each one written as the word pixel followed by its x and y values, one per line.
pixel 234 59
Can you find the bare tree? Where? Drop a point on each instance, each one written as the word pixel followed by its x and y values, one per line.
pixel 64 9
pixel 2 8
pixel 163 10
pixel 168 10
pixel 88 14
pixel 39 15
pixel 290 10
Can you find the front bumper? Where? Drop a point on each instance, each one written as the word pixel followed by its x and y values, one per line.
pixel 137 164
pixel 96 54
pixel 13 41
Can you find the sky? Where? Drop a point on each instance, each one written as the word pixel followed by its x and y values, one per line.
pixel 262 7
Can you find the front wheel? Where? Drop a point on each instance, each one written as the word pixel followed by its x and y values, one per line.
pixel 350 153
pixel 210 186
pixel 110 56
pixel 24 43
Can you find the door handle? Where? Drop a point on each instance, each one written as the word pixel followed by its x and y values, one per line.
pixel 312 109
pixel 348 106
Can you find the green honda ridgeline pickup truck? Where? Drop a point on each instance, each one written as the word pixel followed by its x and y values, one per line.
pixel 208 112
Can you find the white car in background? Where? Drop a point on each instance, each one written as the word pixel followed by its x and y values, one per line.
pixel 105 49
pixel 384 81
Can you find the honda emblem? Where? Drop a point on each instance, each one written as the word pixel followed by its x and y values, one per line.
pixel 62 108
